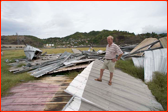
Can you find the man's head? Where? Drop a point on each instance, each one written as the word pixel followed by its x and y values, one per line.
pixel 110 39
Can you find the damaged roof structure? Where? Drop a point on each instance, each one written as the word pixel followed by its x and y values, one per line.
pixel 150 54
pixel 146 45
pixel 155 60
pixel 126 93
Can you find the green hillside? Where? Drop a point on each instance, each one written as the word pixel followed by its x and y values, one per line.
pixel 94 38
pixel 28 39
pixel 99 38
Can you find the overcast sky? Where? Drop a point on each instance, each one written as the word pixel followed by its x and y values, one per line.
pixel 46 19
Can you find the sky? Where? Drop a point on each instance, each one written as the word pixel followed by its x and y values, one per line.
pixel 45 19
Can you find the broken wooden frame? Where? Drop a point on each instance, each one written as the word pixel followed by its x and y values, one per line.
pixel 142 51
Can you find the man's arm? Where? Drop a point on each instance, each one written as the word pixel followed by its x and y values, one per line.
pixel 119 56
pixel 114 60
pixel 119 52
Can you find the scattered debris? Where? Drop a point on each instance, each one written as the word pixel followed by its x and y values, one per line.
pixel 128 48
pixel 76 51
pixel 39 64
pixel 32 52
pixel 44 54
pixel 146 45
pixel 70 68
pixel 52 63
pixel 151 54
pixel 101 52
pixel 6 60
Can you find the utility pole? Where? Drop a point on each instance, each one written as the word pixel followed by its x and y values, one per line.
pixel 18 41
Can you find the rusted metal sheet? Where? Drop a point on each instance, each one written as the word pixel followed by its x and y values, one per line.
pixel 145 42
pixel 146 45
pixel 163 42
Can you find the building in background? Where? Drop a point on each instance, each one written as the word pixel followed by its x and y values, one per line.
pixel 48 45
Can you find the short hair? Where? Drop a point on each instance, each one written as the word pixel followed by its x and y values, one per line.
pixel 110 37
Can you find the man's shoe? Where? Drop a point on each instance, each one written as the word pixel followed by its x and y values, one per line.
pixel 109 83
pixel 98 80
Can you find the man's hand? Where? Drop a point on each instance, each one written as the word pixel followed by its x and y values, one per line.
pixel 114 60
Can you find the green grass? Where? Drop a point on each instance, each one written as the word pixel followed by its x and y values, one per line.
pixel 127 66
pixel 9 80
pixel 158 86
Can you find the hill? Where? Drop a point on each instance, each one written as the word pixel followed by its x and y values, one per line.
pixel 93 38
pixel 96 38
pixel 14 39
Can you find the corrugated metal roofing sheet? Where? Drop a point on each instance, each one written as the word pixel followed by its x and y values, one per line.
pixel 77 87
pixel 163 42
pixel 76 51
pixel 138 62
pixel 78 61
pixel 126 93
pixel 78 84
pixel 144 43
pixel 31 52
pixel 70 68
pixel 155 60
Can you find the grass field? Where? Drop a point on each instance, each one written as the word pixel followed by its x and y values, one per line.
pixel 8 79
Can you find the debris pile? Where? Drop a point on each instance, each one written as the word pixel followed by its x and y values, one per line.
pixel 53 63
pixel 147 44
pixel 151 51
pixel 150 54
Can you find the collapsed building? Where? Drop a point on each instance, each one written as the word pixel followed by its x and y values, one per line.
pixel 150 54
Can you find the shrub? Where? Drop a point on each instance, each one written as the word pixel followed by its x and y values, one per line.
pixel 158 86
pixel 128 67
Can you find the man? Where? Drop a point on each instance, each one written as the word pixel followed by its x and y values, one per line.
pixel 110 58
